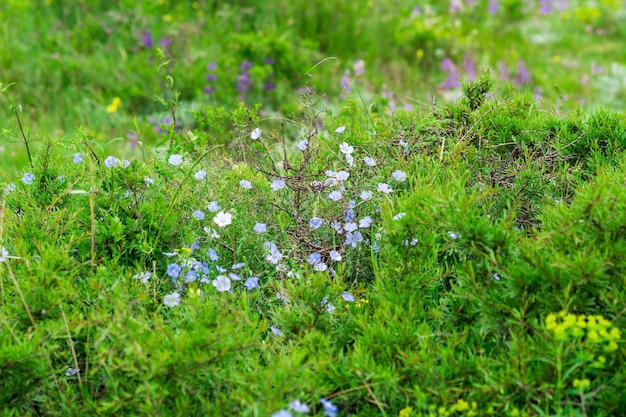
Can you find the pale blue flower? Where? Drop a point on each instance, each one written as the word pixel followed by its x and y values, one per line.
pixel 71 371
pixel 384 188
pixel 175 159
pixel 260 228
pixel 191 276
pixel 365 222
pixel 335 196
pixel 399 216
pixel 4 254
pixel 78 158
pixel 282 413
pixel 255 134
pixel 278 184
pixel 200 175
pixel 346 149
pixel 342 175
pixel 28 178
pixel 148 181
pixel 353 239
pixel 276 331
pixel 172 300
pixel 245 184
pixel 315 223
pixel 453 235
pixel 222 283
pixel 110 161
pixel 337 226
pixel 238 265
pixel 213 206
pixel 340 129
pixel 144 277
pixel 350 159
pixel 275 256
pixel 365 195
pixel 350 227
pixel 234 276
pixel 330 408
pixel 347 296
pixel 369 161
pixel 399 176
pixel 314 258
pixel 126 163
pixel 320 267
pixel 198 215
pixel 212 254
pixel 9 188
pixel 174 270
pixel 251 283
pixel 335 256
pixel 303 145
pixel 299 407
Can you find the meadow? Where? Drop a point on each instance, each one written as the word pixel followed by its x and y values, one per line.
pixel 289 208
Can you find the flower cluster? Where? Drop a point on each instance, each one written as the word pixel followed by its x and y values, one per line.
pixel 595 329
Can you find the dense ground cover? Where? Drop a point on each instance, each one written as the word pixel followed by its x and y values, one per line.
pixel 328 251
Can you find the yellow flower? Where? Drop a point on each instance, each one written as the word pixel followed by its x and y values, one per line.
pixel 405 412
pixel 581 383
pixel 615 333
pixel 420 53
pixel 195 292
pixel 167 18
pixel 462 405
pixel 611 347
pixel 112 108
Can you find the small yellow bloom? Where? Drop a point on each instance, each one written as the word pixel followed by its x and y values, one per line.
pixel 615 333
pixel 420 53
pixel 462 405
pixel 611 347
pixel 167 18
pixel 195 292
pixel 593 336
pixel 405 412
pixel 581 383
pixel 112 108
pixel 556 59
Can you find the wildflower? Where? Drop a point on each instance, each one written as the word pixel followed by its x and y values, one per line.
pixel 126 163
pixel 365 195
pixel 78 158
pixel 384 188
pixel 350 159
pixel 275 256
pixel 369 161
pixel 399 176
pixel 340 129
pixel 245 184
pixel 222 283
pixel 143 276
pixel 277 184
pixel 251 283
pixel 200 175
pixel 350 227
pixel 335 196
pixel 9 188
pixel 330 408
pixel 4 253
pixel 223 219
pixel 496 277
pixel 453 236
pixel 212 254
pixel 347 296
pixel 28 178
pixel 299 407
pixel 276 331
pixel 282 413
pixel 320 267
pixel 213 206
pixel 315 223
pixel 365 222
pixel 175 160
pixel 172 300
pixel 255 134
pixel 342 175
pixel 71 371
pixel 335 256
pixel 148 181
pixel 399 216
pixel 198 215
pixel 314 258
pixel 174 270
pixel 115 104
pixel 346 149
pixel 303 145
pixel 234 276
pixel 260 228
pixel 353 239
pixel 329 306
pixel 110 161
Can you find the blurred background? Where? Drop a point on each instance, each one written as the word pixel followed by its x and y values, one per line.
pixel 93 67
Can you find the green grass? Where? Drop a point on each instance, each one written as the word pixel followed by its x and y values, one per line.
pixel 253 255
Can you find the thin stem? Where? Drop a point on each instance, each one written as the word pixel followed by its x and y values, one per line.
pixel 69 337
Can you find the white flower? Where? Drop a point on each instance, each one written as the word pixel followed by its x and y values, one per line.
pixel 3 254
pixel 172 300
pixel 255 134
pixel 350 159
pixel 223 219
pixel 148 181
pixel 365 195
pixel 384 188
pixel 346 149
pixel 340 129
pixel 453 235
pixel 71 371
pixel 342 175
pixel 399 176
pixel 399 216
pixel 175 160
pixel 299 407
pixel 222 283
pixel 200 175
pixel 335 256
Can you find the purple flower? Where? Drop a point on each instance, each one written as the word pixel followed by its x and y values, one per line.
pixel 246 65
pixel 211 66
pixel 359 67
pixel 493 7
pixel 146 39
pixel 211 77
pixel 546 6
pixel 504 71
pixel 448 65
pixel 268 61
pixel 469 67
pixel 522 76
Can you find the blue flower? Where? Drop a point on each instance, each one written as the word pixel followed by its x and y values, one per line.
pixel 330 408
pixel 28 178
pixel 314 258
pixel 365 222
pixel 260 228
pixel 282 413
pixel 369 161
pixel 245 184
pixel 213 206
pixel 212 254
pixel 353 239
pixel 299 407
pixel 335 256
pixel 276 331
pixel 174 270
pixel 175 160
pixel 277 184
pixel 399 176
pixel 303 145
pixel 251 283
pixel 315 223
pixel 9 188
pixel 78 158
pixel 347 296
pixel 110 161
pixel 320 267
pixel 335 196
pixel 200 175
pixel 198 215
pixel 239 265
